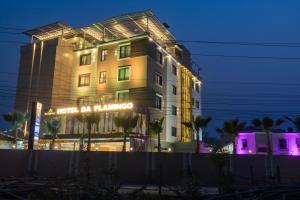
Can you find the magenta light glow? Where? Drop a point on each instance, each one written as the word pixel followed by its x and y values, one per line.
pixel 250 137
pixel 292 148
pixel 253 140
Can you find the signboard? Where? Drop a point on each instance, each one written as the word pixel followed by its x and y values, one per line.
pixel 35 124
pixel 89 109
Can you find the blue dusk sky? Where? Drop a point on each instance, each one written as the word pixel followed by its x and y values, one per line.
pixel 233 87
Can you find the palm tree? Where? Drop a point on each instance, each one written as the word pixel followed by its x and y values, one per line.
pixel 91 119
pixel 219 158
pixel 231 128
pixel 16 120
pixel 52 127
pixel 81 119
pixel 157 127
pixel 296 122
pixel 267 124
pixel 197 124
pixel 127 122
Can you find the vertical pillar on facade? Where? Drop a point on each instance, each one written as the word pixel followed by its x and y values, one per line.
pixel 112 121
pixel 147 24
pixel 104 122
pixel 30 81
pixel 62 33
pixel 103 35
pixel 83 40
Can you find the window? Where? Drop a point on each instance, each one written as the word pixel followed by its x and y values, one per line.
pixel 124 51
pixel 82 101
pixel 160 57
pixel 244 144
pixel 193 101
pixel 282 144
pixel 158 79
pixel 102 77
pixel 174 70
pixel 174 131
pixel 84 80
pixel 124 73
pixel 103 54
pixel 174 89
pixel 197 87
pixel 158 101
pixel 197 104
pixel 122 95
pixel 85 59
pixel 174 110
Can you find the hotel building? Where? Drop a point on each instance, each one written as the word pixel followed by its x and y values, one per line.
pixel 126 64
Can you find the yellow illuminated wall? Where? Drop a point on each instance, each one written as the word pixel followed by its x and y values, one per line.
pixel 186 106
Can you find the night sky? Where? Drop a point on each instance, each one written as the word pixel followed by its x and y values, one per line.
pixel 233 87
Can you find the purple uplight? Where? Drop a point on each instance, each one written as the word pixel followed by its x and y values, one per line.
pixel 248 143
pixel 250 138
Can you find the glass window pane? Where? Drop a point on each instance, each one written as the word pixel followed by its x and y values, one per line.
pixel 85 59
pixel 127 73
pixel 124 51
pixel 124 73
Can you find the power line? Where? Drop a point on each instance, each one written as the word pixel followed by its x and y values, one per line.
pixel 193 54
pixel 248 57
pixel 278 83
pixel 266 44
pixel 8 32
pixel 243 43
pixel 13 28
pixel 170 99
pixel 252 83
pixel 13 41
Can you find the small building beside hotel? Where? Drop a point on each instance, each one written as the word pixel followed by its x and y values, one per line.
pixel 256 143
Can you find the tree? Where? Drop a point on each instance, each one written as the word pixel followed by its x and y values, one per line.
pixel 295 122
pixel 219 158
pixel 127 123
pixel 156 127
pixel 231 128
pixel 267 124
pixel 16 120
pixel 52 127
pixel 197 124
pixel 81 119
pixel 91 119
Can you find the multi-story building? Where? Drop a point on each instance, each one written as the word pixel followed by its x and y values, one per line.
pixel 256 143
pixel 127 64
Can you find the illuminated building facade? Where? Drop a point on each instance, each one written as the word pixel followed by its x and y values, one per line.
pixel 256 143
pixel 127 64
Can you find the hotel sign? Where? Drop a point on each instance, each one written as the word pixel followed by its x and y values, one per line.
pixel 89 109
pixel 35 124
